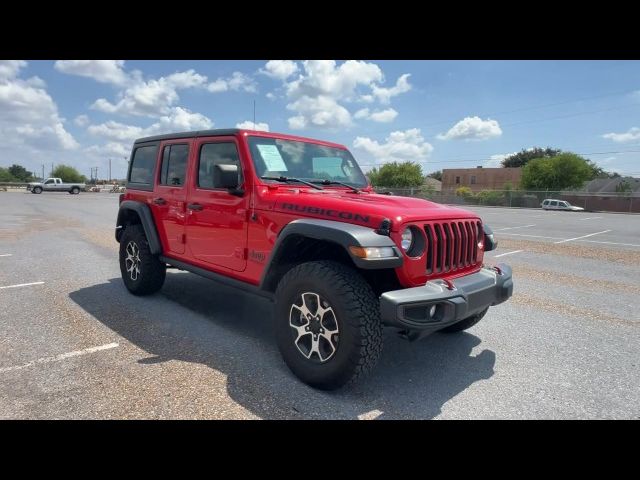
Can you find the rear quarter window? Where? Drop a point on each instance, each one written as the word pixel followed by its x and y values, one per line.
pixel 143 165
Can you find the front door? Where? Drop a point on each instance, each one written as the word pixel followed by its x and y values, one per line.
pixel 217 220
pixel 168 202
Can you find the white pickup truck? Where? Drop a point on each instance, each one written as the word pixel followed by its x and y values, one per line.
pixel 55 185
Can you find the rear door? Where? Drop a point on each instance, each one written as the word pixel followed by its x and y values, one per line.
pixel 216 219
pixel 169 199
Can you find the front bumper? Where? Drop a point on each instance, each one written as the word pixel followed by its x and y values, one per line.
pixel 411 308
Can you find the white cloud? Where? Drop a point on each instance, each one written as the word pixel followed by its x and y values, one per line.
pixel 36 81
pixel 29 118
pixel 279 69
pixel 318 94
pixel 103 71
pixel 472 128
pixel 178 119
pixel 362 113
pixel 320 112
pixel 384 94
pixel 629 136
pixel 382 116
pixel 81 120
pixel 271 96
pixel 152 98
pixel 10 68
pixel 236 82
pixel 399 146
pixel 116 131
pixel 249 125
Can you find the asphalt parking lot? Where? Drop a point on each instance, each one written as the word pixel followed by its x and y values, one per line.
pixel 75 344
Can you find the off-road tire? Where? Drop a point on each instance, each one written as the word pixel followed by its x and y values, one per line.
pixel 465 323
pixel 151 272
pixel 357 314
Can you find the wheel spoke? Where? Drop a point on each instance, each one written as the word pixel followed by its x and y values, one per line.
pixel 316 327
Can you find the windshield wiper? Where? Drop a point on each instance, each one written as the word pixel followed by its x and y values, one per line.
pixel 290 179
pixel 335 182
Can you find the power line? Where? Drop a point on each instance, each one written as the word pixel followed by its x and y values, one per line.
pixel 486 159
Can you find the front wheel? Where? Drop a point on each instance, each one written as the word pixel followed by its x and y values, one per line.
pixel 328 324
pixel 465 323
pixel 37 190
pixel 142 272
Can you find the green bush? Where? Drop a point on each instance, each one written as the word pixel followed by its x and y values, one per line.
pixel 490 197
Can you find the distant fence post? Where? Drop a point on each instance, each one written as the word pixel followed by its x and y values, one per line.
pixel 630 203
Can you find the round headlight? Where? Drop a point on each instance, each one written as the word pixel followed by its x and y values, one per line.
pixel 407 239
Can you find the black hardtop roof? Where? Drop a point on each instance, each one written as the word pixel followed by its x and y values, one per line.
pixel 198 133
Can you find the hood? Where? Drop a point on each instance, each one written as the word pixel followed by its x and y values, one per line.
pixel 362 208
pixel 577 209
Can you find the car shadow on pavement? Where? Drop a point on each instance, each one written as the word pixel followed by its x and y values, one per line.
pixel 196 320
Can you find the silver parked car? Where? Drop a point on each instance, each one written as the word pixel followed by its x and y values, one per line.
pixel 551 204
pixel 55 185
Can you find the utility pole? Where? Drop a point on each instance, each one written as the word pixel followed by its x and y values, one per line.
pixel 109 170
pixel 51 170
pixel 43 172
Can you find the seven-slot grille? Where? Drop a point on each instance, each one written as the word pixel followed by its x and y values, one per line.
pixel 452 244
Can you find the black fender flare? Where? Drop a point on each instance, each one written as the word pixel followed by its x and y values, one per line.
pixel 340 233
pixel 146 219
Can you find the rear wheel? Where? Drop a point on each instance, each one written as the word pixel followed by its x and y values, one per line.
pixel 75 191
pixel 142 272
pixel 465 323
pixel 328 324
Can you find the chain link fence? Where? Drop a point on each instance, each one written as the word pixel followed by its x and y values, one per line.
pixel 628 202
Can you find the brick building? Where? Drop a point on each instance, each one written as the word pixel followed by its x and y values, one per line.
pixel 480 178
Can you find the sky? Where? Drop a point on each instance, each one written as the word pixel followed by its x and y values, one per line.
pixel 441 114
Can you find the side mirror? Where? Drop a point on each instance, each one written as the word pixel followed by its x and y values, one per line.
pixel 489 242
pixel 225 176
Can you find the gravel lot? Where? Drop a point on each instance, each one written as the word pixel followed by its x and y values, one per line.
pixel 75 344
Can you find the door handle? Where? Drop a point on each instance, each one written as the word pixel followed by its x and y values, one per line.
pixel 159 201
pixel 194 206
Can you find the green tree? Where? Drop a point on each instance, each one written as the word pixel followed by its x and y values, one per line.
pixel 566 170
pixel 437 175
pixel 5 175
pixel 397 175
pixel 523 157
pixel 20 173
pixel 68 174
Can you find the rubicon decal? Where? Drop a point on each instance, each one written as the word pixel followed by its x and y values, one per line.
pixel 326 212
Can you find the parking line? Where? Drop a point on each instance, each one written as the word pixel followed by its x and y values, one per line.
pixel 511 228
pixel 534 236
pixel 62 356
pixel 589 218
pixel 5 254
pixel 611 243
pixel 22 285
pixel 372 415
pixel 584 236
pixel 508 253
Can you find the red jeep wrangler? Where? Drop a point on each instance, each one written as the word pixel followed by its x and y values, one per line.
pixel 295 220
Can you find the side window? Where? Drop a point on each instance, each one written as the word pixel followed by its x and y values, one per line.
pixel 473 179
pixel 553 203
pixel 457 180
pixel 143 165
pixel 174 165
pixel 212 154
pixel 48 182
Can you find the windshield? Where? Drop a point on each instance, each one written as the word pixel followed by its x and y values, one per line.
pixel 274 157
